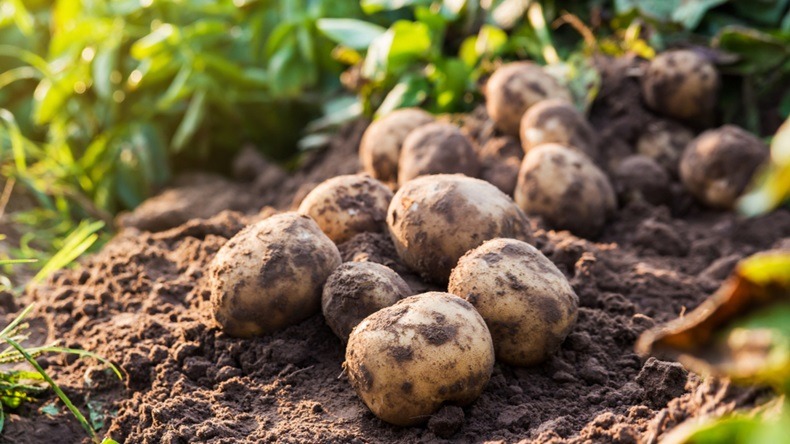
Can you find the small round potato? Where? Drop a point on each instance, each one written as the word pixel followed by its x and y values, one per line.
pixel 664 142
pixel 379 149
pixel 681 84
pixel 513 88
pixel 347 205
pixel 642 178
pixel 436 148
pixel 356 290
pixel 527 303
pixel 434 220
pixel 566 189
pixel 558 121
pixel 406 360
pixel 717 166
pixel 269 275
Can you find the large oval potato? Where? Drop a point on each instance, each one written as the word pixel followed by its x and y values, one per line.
pixel 681 84
pixel 513 88
pixel 718 165
pixel 379 149
pixel 434 220
pixel 436 148
pixel 527 303
pixel 406 360
pixel 566 189
pixel 344 206
pixel 558 121
pixel 269 275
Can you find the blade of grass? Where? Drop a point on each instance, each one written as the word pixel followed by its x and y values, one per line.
pixel 75 244
pixel 74 410
pixel 538 22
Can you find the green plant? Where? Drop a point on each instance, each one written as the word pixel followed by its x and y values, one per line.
pixel 18 386
pixel 100 100
pixel 742 332
pixel 771 188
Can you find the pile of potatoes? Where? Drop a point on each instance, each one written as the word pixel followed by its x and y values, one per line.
pixel 500 298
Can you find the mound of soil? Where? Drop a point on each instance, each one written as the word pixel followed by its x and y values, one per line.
pixel 143 303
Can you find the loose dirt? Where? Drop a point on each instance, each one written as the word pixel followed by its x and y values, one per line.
pixel 143 303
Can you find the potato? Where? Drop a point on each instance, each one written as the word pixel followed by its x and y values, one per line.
pixel 664 142
pixel 527 303
pixel 558 121
pixel 717 166
pixel 642 178
pixel 434 220
pixel 379 149
pixel 513 88
pixel 347 205
pixel 566 189
pixel 681 84
pixel 356 290
pixel 436 148
pixel 269 275
pixel 406 360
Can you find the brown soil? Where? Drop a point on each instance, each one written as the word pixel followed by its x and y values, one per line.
pixel 143 303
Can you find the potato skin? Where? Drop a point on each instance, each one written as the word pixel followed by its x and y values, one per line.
pixel 566 189
pixel 642 178
pixel 664 142
pixel 356 290
pixel 717 166
pixel 527 303
pixel 436 148
pixel 513 88
pixel 405 360
pixel 344 206
pixel 379 149
pixel 434 220
pixel 558 121
pixel 269 275
pixel 681 84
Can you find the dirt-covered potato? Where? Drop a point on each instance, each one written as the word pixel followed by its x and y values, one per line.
pixel 434 220
pixel 381 143
pixel 436 148
pixel 270 274
pixel 681 84
pixel 717 166
pixel 406 360
pixel 513 88
pixel 347 205
pixel 527 303
pixel 664 142
pixel 356 290
pixel 558 121
pixel 642 178
pixel 566 189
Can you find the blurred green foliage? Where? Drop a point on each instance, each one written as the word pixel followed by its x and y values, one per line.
pixel 750 346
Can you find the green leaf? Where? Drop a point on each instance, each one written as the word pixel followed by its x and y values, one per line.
pixel 50 409
pixel 355 34
pixel 192 119
pixel 765 12
pixel 758 52
pixel 103 66
pixel 410 91
pixel 690 13
pixel 155 42
pixel 74 245
pixel 374 6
